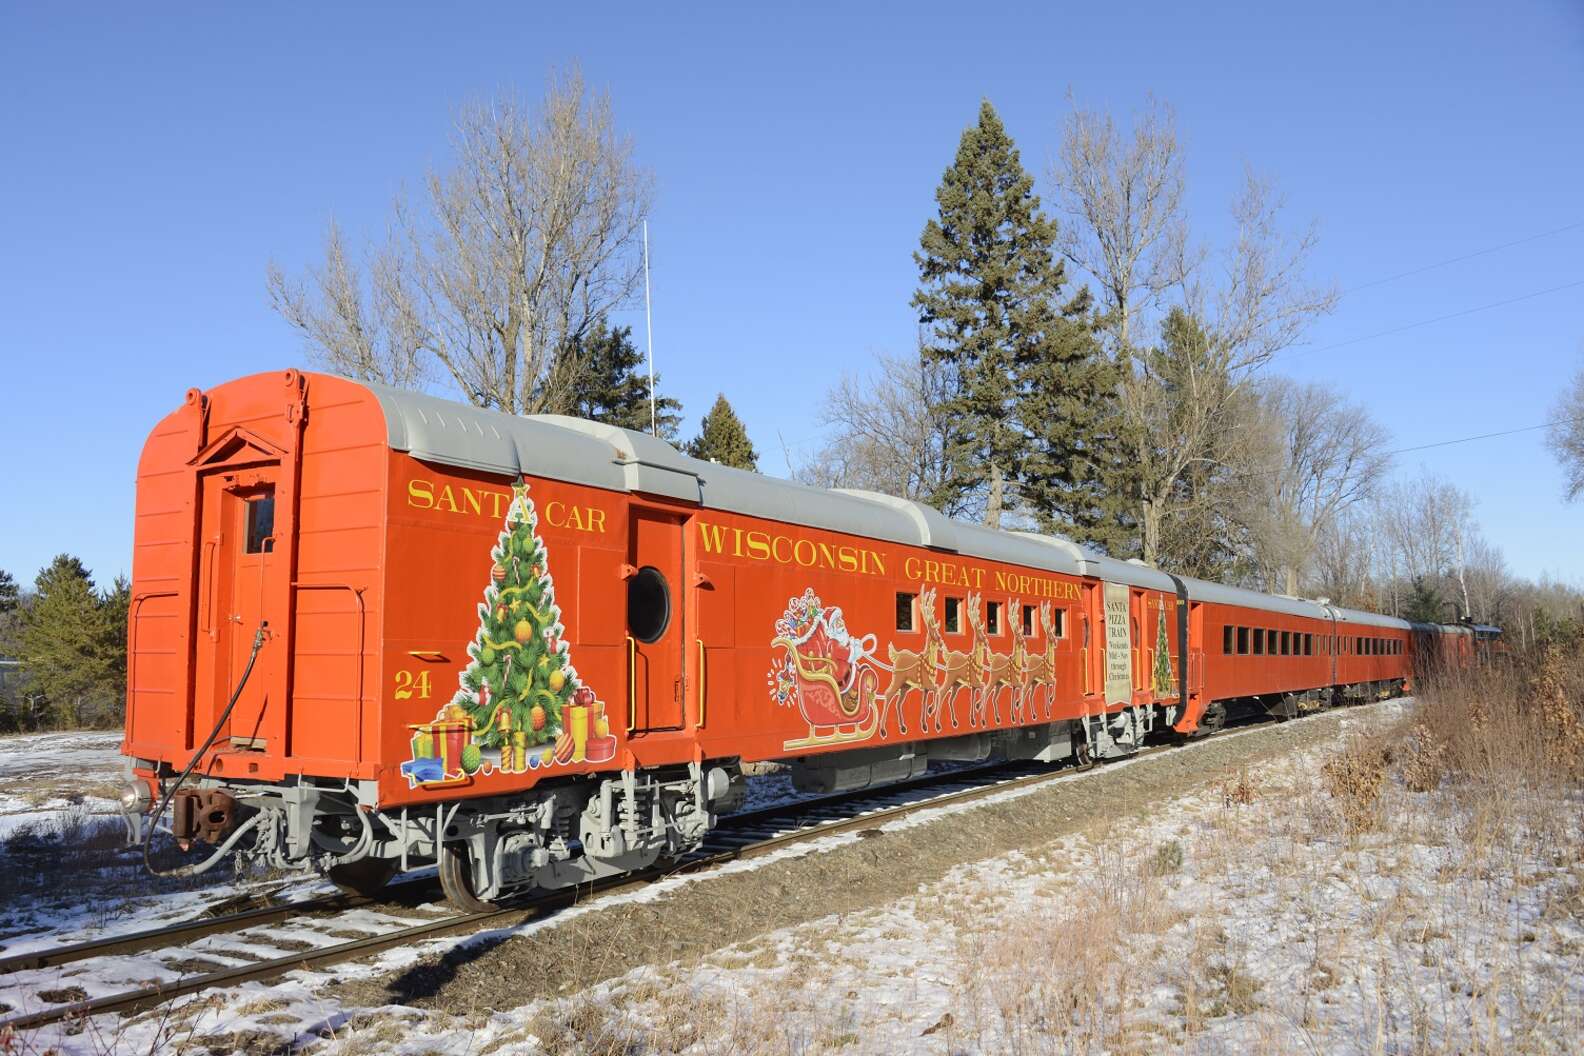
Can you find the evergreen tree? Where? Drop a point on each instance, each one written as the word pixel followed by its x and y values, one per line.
pixel 1032 392
pixel 64 642
pixel 9 595
pixel 1425 603
pixel 723 438
pixel 601 376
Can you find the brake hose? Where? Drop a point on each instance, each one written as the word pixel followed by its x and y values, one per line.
pixel 236 694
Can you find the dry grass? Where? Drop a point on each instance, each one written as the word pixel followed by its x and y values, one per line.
pixel 1483 778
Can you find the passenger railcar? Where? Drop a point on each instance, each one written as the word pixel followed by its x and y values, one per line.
pixel 381 628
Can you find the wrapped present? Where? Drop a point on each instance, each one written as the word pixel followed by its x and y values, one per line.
pixel 452 738
pixel 423 743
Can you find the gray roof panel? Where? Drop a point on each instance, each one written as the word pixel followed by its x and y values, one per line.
pixel 604 456
pixel 1370 619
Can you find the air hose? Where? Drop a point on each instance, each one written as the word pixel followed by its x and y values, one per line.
pixel 236 694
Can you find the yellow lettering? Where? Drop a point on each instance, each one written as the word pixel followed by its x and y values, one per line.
pixel 498 502
pixel 712 536
pixel 420 494
pixel 775 549
pixel 759 546
pixel 447 499
pixel 797 552
pixel 827 555
pixel 879 561
pixel 846 558
pixel 910 568
pixel 470 498
pixel 555 513
pixel 596 521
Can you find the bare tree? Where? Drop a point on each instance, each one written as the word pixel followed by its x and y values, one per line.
pixel 365 328
pixel 1566 436
pixel 890 434
pixel 527 241
pixel 1224 324
pixel 1426 531
pixel 1319 456
pixel 1344 564
pixel 1124 202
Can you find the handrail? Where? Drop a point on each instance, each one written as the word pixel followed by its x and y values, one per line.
pixel 632 684
pixel 132 628
pixel 362 620
pixel 703 684
pixel 206 589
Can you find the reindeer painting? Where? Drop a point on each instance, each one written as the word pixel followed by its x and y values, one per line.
pixel 954 671
pixel 996 671
pixel 915 670
pixel 1040 670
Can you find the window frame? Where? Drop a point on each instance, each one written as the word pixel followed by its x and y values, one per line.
pixel 907 604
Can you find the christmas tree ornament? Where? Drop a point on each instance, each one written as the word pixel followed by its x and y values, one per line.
pixel 557 681
pixel 498 572
pixel 523 632
pixel 536 717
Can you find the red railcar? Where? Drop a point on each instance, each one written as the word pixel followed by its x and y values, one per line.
pixel 385 628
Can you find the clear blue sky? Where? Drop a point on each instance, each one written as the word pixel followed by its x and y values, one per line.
pixel 155 159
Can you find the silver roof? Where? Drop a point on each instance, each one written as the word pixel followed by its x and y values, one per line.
pixel 1221 594
pixel 604 456
pixel 1369 619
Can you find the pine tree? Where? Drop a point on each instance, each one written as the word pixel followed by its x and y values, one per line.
pixel 723 438
pixel 600 376
pixel 520 675
pixel 64 634
pixel 9 595
pixel 1031 387
pixel 1425 603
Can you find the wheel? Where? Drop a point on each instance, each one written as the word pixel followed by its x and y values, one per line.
pixel 1213 719
pixel 366 876
pixel 456 880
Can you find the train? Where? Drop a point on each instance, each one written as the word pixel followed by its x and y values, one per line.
pixel 372 630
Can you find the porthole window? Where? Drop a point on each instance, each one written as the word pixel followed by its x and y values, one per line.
pixel 648 605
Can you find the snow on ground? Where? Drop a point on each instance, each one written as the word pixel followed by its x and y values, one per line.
pixel 65 874
pixel 45 774
pixel 1243 918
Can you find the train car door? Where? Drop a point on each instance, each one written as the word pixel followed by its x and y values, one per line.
pixel 235 597
pixel 656 630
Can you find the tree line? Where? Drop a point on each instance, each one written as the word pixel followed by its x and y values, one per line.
pixel 69 639
pixel 1093 367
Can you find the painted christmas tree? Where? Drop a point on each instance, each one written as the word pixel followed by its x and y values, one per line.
pixel 520 677
pixel 1163 666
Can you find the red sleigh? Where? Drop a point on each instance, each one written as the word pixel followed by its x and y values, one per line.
pixel 836 697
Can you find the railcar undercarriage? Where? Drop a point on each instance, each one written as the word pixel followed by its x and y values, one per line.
pixel 580 829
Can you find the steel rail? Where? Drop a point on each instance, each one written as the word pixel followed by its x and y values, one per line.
pixel 197 928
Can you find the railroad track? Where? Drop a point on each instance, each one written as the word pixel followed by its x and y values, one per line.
pixel 738 837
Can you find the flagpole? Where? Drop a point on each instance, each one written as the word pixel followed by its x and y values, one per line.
pixel 654 428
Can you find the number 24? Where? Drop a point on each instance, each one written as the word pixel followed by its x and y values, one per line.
pixel 407 685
